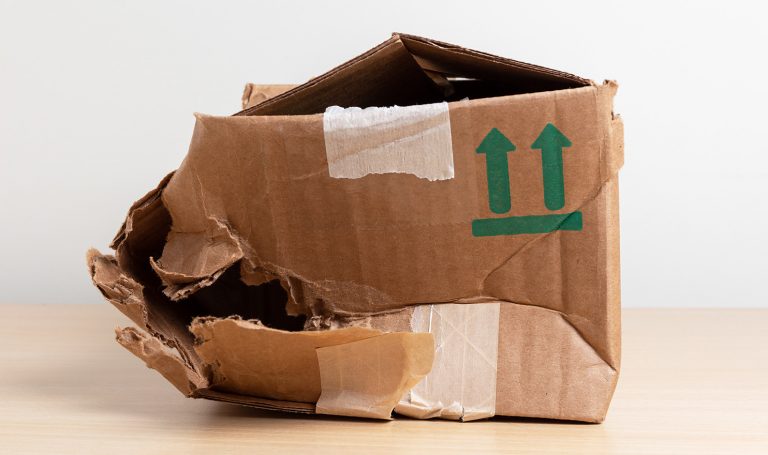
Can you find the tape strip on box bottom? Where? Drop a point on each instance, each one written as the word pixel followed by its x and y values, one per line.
pixel 462 382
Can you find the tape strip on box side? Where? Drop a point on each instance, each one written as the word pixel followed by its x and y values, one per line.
pixel 462 383
pixel 381 140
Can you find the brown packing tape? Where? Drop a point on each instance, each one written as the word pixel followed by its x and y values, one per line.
pixel 367 378
pixel 462 383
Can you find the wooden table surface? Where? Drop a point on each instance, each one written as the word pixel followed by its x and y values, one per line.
pixel 692 382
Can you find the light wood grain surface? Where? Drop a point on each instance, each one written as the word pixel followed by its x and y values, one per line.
pixel 692 382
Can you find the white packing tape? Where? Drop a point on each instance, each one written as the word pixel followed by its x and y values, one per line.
pixel 380 140
pixel 462 383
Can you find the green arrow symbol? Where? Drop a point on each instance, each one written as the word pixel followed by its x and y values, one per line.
pixel 495 147
pixel 551 142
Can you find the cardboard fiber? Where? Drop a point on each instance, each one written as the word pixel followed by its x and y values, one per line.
pixel 425 228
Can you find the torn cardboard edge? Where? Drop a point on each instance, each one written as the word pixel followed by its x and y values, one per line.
pixel 166 361
pixel 119 289
pixel 222 249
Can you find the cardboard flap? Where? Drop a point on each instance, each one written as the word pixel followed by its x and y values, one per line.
pixel 407 70
pixel 384 76
pixel 146 307
pixel 194 260
pixel 455 61
pixel 355 378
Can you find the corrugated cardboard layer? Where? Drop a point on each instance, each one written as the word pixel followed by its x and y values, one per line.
pixel 118 288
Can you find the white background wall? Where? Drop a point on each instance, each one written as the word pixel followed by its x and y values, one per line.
pixel 96 102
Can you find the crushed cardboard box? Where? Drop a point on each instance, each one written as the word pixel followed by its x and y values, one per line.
pixel 425 228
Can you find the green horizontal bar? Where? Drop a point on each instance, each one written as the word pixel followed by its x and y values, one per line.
pixel 534 224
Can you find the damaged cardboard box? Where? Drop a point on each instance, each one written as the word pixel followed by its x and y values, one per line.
pixel 425 228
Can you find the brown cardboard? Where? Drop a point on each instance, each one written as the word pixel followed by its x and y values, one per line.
pixel 252 240
pixel 256 93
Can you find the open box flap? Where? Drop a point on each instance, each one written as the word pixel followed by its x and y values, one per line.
pixel 408 70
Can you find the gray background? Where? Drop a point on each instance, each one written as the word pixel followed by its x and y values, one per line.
pixel 96 102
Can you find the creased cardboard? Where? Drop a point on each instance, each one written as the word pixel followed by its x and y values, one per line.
pixel 253 255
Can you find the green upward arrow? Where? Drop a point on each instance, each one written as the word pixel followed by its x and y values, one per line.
pixel 551 142
pixel 495 147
